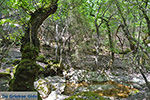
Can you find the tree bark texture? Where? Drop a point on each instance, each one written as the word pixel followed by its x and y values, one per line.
pixel 27 71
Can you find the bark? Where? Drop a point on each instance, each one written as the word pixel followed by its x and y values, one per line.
pixel 125 28
pixel 145 16
pixel 27 71
pixel 110 42
pixel 110 37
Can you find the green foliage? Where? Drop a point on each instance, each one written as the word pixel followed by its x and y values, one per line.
pixel 41 58
pixel 86 96
pixel 77 19
pixel 3 21
pixel 53 64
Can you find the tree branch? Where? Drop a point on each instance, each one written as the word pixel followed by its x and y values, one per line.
pixel 2 2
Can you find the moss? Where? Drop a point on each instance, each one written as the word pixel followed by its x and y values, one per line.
pixel 8 70
pixel 118 51
pixel 86 96
pixel 30 52
pixel 14 70
pixel 49 62
pixel 52 69
pixel 3 74
pixel 25 75
pixel 118 90
pixel 41 58
pixel 44 87
pixel 52 64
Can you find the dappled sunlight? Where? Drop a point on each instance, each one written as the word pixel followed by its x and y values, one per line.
pixel 114 89
pixel 76 49
pixel 118 90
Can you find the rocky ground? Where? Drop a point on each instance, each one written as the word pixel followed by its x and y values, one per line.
pixel 58 88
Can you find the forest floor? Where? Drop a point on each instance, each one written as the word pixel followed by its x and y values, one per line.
pixel 119 82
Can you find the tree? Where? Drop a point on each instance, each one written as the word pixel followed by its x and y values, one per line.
pixel 10 31
pixel 27 71
pixel 78 31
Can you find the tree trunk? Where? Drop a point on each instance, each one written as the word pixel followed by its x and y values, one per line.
pixel 27 71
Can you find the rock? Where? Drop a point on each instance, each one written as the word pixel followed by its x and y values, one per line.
pixel 4 81
pixel 14 53
pixel 3 74
pixel 55 96
pixel 43 86
pixel 142 95
pixel 137 86
pixel 84 75
pixel 50 86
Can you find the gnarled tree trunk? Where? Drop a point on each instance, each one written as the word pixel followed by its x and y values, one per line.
pixel 27 70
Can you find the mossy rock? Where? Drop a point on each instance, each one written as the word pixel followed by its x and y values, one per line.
pixel 4 80
pixel 25 75
pixel 44 87
pixel 53 68
pixel 3 74
pixel 51 62
pixel 86 96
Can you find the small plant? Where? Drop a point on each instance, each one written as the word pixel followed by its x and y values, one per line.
pixel 41 58
pixel 86 96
